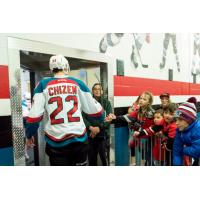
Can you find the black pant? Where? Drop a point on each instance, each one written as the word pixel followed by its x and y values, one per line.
pixel 169 158
pixel 74 154
pixel 196 162
pixel 107 144
pixel 97 146
pixel 148 152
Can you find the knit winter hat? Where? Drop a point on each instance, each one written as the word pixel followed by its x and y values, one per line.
pixel 192 100
pixel 187 111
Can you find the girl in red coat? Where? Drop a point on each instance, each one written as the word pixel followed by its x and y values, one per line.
pixel 141 119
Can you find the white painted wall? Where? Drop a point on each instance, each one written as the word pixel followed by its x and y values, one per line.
pixel 150 53
pixel 88 41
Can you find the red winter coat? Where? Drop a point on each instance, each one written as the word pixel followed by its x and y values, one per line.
pixel 169 131
pixel 145 122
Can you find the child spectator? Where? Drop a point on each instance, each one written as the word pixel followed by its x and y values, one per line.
pixel 187 140
pixel 140 119
pixel 164 131
pixel 187 158
pixel 158 149
pixel 156 132
pixel 169 132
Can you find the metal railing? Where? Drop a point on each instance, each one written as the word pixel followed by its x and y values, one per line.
pixel 154 151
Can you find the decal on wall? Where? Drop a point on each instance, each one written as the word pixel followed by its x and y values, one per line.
pixel 110 39
pixel 113 39
pixel 137 47
pixel 196 55
pixel 167 38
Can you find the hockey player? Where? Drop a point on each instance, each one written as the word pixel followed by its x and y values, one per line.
pixel 110 39
pixel 136 48
pixel 60 100
pixel 113 39
pixel 196 55
pixel 168 37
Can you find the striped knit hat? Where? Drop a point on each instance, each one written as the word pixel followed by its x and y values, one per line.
pixel 187 111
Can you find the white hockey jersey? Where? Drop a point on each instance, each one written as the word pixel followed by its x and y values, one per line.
pixel 63 99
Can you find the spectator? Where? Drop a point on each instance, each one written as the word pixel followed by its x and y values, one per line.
pixel 187 140
pixel 140 119
pixel 165 131
pixel 99 138
pixel 165 100
pixel 169 132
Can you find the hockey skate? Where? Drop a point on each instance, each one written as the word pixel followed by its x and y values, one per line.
pixel 134 63
pixel 178 67
pixel 144 66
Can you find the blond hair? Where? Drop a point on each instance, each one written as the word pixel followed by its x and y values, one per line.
pixel 150 96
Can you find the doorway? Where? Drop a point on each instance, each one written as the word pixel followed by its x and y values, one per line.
pixel 34 67
pixel 28 66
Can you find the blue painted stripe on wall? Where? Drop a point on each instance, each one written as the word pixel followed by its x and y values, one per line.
pixel 121 146
pixel 6 156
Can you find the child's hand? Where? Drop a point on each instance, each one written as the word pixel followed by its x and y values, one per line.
pixel 136 134
pixel 159 134
pixel 110 117
pixel 163 145
pixel 163 138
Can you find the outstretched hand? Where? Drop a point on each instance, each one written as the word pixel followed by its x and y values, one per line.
pixel 110 117
pixel 136 134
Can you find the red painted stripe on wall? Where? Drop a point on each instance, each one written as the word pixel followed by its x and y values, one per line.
pixel 4 82
pixel 133 86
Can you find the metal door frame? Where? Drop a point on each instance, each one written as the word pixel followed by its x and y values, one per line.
pixel 15 45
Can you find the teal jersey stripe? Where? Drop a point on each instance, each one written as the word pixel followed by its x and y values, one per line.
pixel 66 142
pixel 43 83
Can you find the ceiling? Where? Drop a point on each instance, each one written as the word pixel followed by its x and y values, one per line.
pixel 40 62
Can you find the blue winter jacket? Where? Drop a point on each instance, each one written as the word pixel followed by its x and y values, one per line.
pixel 187 143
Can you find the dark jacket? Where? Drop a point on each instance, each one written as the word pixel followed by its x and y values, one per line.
pixel 104 127
pixel 187 143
